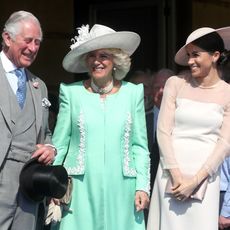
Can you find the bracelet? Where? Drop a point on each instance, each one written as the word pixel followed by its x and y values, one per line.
pixel 53 147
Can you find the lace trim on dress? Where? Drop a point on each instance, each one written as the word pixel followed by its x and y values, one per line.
pixel 128 171
pixel 81 155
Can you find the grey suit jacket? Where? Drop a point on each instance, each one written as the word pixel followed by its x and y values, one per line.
pixel 39 92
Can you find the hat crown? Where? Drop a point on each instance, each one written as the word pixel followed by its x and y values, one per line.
pixel 199 33
pixel 38 180
pixel 99 37
pixel 181 56
pixel 85 35
pixel 99 30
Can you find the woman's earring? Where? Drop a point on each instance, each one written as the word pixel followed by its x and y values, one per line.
pixel 114 68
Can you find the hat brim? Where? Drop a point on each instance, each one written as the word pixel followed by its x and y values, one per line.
pixel 181 56
pixel 38 180
pixel 126 41
pixel 29 195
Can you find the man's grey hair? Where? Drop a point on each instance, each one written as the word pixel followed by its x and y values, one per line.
pixel 12 25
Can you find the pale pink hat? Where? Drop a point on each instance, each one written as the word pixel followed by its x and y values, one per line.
pixel 181 56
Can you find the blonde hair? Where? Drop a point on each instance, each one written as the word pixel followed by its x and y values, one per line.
pixel 122 62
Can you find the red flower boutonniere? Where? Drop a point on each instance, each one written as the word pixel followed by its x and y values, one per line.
pixel 35 84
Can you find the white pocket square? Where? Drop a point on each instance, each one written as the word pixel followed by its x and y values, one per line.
pixel 46 103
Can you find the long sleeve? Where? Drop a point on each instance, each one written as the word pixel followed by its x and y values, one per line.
pixel 166 123
pixel 225 174
pixel 225 186
pixel 203 113
pixel 139 145
pixel 62 132
pixel 222 148
pixel 225 210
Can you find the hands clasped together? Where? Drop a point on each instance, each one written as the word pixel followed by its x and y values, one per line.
pixel 183 187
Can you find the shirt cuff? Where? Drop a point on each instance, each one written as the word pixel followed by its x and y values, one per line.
pixel 53 147
pixel 225 211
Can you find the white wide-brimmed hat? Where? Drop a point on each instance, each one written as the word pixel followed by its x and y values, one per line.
pixel 181 56
pixel 99 37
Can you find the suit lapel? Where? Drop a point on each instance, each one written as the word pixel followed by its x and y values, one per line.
pixel 36 97
pixel 4 95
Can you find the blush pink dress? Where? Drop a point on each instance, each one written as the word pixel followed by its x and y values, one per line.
pixel 193 133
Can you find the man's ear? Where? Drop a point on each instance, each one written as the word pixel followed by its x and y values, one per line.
pixel 6 38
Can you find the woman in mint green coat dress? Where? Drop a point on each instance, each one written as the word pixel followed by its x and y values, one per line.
pixel 101 134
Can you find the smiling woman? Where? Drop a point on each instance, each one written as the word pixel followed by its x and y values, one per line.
pixel 200 62
pixel 105 66
pixel 102 124
pixel 193 135
pixel 100 65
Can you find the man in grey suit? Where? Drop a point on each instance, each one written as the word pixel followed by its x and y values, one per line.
pixel 24 110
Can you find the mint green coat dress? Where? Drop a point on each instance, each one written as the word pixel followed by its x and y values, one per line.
pixel 108 156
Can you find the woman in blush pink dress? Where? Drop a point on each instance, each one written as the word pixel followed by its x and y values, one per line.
pixel 193 135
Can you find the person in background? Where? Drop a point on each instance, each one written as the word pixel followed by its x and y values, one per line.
pixel 224 218
pixel 101 134
pixel 23 119
pixel 144 77
pixel 193 136
pixel 159 80
pixel 53 110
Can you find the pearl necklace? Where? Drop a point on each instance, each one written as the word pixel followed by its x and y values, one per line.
pixel 99 90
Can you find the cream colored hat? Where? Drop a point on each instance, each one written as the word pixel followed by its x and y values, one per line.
pixel 181 56
pixel 99 37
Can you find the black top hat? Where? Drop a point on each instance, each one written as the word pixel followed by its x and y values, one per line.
pixel 38 180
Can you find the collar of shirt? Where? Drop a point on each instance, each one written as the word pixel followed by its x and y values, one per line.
pixel 9 67
pixel 155 110
pixel 7 64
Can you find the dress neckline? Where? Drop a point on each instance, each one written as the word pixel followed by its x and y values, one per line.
pixel 98 95
pixel 194 82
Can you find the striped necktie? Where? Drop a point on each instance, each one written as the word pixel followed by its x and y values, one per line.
pixel 21 91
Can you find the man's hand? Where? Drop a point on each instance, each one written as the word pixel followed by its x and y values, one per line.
pixel 45 153
pixel 224 222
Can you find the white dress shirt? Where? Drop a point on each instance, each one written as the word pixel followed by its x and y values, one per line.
pixel 9 68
